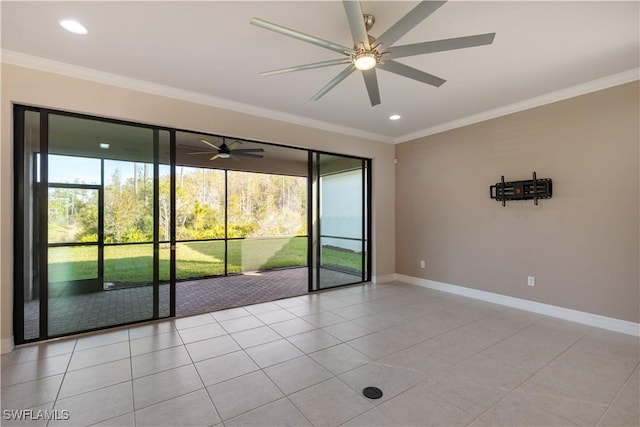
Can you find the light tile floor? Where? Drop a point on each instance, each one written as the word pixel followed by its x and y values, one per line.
pixel 440 359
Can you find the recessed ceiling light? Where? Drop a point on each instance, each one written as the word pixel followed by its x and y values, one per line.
pixel 104 145
pixel 73 26
pixel 394 117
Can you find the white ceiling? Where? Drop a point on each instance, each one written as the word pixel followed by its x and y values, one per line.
pixel 209 48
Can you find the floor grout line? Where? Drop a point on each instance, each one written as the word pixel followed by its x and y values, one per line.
pixel 610 405
pixel 133 394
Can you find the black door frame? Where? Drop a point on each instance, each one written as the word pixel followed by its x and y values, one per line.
pixel 315 247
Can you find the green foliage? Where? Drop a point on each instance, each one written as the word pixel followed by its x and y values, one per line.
pixel 88 221
pixel 199 203
pixel 136 235
pixel 259 205
pixel 128 207
pixel 73 213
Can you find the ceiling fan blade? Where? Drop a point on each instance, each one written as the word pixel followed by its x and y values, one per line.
pixel 337 79
pixel 233 144
pixel 353 8
pixel 249 150
pixel 234 158
pixel 307 66
pixel 301 36
pixel 371 81
pixel 256 156
pixel 217 156
pixel 410 72
pixel 406 23
pixel 210 144
pixel 202 152
pixel 441 45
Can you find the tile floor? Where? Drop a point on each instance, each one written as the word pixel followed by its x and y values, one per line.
pixel 440 359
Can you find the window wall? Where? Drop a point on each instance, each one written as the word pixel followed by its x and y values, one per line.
pixel 111 215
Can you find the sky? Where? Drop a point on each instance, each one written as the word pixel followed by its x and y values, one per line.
pixel 83 170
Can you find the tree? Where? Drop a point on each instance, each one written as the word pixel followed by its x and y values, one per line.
pixel 258 205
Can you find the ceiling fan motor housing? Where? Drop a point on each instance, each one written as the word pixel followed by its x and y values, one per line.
pixel 369 20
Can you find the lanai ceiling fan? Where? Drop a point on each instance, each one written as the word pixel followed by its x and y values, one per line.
pixel 225 151
pixel 369 53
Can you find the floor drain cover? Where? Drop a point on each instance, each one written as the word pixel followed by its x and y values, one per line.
pixel 372 392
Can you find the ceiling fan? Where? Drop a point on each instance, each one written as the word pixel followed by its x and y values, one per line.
pixel 369 53
pixel 225 151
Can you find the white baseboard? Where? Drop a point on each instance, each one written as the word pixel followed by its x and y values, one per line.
pixel 384 278
pixel 6 345
pixel 596 320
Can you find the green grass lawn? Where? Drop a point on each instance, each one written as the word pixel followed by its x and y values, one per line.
pixel 343 260
pixel 134 263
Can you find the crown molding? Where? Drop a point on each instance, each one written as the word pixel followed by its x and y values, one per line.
pixel 570 92
pixel 75 71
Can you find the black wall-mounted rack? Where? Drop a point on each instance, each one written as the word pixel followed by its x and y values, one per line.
pixel 522 190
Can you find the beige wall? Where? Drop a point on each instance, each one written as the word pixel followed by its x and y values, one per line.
pixel 581 245
pixel 28 86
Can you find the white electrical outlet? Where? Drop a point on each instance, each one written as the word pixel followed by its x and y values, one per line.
pixel 422 264
pixel 531 281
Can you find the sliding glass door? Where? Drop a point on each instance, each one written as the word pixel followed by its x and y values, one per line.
pixel 103 231
pixel 91 208
pixel 341 228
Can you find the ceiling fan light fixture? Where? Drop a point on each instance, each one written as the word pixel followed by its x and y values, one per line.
pixel 224 155
pixel 364 61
